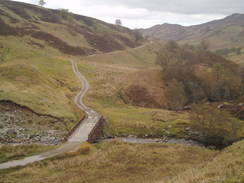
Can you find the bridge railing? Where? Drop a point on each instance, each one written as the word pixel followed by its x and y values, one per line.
pixel 96 129
pixel 71 131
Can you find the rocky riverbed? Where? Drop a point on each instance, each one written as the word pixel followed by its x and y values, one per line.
pixel 134 139
pixel 21 125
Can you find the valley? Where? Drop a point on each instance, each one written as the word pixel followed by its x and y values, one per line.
pixel 184 102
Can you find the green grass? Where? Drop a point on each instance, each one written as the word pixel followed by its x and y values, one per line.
pixel 33 78
pixel 30 74
pixel 115 162
pixel 142 57
pixel 227 167
pixel 141 121
pixel 107 75
pixel 237 58
pixel 11 152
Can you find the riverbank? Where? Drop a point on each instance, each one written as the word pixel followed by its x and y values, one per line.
pixel 134 139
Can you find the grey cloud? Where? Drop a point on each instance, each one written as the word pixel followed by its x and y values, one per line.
pixel 179 6
pixel 145 13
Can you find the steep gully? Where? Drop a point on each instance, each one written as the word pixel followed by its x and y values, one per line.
pixel 79 136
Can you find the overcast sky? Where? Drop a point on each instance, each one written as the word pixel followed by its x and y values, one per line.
pixel 146 13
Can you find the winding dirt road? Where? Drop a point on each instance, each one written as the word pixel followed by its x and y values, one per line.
pixel 79 136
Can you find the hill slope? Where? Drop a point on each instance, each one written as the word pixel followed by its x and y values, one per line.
pixel 222 33
pixel 35 43
pixel 67 32
pixel 226 167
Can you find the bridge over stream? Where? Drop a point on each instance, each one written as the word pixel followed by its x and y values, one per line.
pixel 85 130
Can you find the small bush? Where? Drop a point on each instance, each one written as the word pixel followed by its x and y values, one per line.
pixel 83 149
pixel 215 126
pixel 65 14
pixel 176 95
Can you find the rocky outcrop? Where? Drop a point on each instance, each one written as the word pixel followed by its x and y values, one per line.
pixel 21 125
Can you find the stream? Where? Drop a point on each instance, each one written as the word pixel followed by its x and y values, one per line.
pixel 154 140
pixel 138 140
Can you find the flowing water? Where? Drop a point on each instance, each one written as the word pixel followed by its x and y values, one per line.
pixel 154 140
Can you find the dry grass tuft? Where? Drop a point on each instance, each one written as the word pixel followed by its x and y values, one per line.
pixel 117 162
pixel 227 167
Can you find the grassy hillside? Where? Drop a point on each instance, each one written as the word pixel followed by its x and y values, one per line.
pixel 38 79
pixel 66 32
pixel 226 167
pixel 237 58
pixel 235 54
pixel 145 89
pixel 223 33
pixel 35 43
pixel 109 74
pixel 45 81
pixel 115 162
pixel 124 162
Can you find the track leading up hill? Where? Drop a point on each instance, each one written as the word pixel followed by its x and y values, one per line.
pixel 79 136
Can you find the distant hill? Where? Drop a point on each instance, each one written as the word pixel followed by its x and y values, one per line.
pixel 68 33
pixel 227 32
